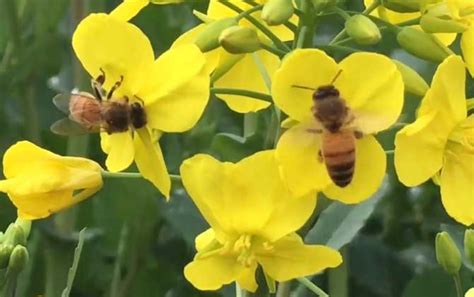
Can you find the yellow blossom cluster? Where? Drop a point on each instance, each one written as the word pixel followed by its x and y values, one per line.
pixel 255 206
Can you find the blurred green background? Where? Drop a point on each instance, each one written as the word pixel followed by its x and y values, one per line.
pixel 137 244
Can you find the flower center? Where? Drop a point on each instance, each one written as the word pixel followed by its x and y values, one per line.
pixel 243 248
pixel 463 135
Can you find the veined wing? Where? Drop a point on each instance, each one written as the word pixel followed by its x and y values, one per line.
pixel 68 127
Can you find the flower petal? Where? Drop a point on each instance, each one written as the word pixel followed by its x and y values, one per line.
pixel 246 75
pixel 457 180
pixel 378 100
pixel 173 70
pixel 291 258
pixel 120 150
pixel 150 162
pixel 38 206
pixel 369 171
pixel 128 9
pixel 115 46
pixel 467 46
pixel 297 151
pixel 309 68
pixel 181 109
pixel 211 273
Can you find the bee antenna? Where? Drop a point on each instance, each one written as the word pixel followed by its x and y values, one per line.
pixel 303 87
pixel 335 77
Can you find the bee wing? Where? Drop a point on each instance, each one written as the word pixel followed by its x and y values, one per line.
pixel 61 101
pixel 68 127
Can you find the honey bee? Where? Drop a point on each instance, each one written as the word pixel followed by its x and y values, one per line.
pixel 89 113
pixel 338 137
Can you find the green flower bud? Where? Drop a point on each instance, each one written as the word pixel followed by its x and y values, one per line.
pixel 239 40
pixel 469 245
pixel 447 253
pixel 432 24
pixel 362 30
pixel 18 259
pixel 277 12
pixel 208 39
pixel 422 44
pixel 321 5
pixel 414 83
pixel 402 5
pixel 5 252
pixel 15 235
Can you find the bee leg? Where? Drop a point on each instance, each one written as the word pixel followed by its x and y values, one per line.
pixel 358 134
pixel 115 87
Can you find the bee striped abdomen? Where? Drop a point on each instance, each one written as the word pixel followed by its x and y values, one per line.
pixel 338 151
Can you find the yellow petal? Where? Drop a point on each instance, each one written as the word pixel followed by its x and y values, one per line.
pixel 119 147
pixel 470 293
pixel 467 46
pixel 205 179
pixel 189 37
pixel 297 151
pixel 373 88
pixel 246 75
pixel 150 162
pixel 180 110
pixel 38 206
pixel 369 171
pixel 419 146
pixel 117 47
pixel 173 70
pixel 309 68
pixel 291 258
pixel 211 273
pixel 246 278
pixel 446 38
pixel 128 9
pixel 457 180
pixel 204 239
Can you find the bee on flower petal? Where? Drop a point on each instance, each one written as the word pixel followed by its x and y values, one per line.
pixel 338 141
pixel 89 113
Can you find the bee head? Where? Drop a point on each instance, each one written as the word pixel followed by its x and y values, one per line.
pixel 325 92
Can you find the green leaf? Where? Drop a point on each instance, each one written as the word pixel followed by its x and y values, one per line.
pixel 72 271
pixel 340 223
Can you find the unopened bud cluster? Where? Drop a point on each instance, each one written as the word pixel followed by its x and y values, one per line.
pixel 448 254
pixel 13 253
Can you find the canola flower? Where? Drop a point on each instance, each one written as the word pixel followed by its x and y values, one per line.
pixel 173 90
pixel 253 218
pixel 130 8
pixel 440 143
pixel 372 88
pixel 40 183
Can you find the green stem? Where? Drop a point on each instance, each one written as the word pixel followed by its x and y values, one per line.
pixel 341 12
pixel 306 26
pixel 278 43
pixel 284 289
pixel 312 287
pixel 458 284
pixel 372 7
pixel 273 50
pixel 246 13
pixel 108 174
pixel 338 37
pixel 339 48
pixel 338 278
pixel 242 92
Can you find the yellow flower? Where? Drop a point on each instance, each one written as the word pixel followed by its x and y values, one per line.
pixel 253 218
pixel 244 72
pixel 173 90
pixel 40 183
pixel 440 143
pixel 130 8
pixel 372 88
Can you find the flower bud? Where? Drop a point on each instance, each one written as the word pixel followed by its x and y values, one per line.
pixel 447 253
pixel 277 12
pixel 208 39
pixel 470 293
pixel 413 82
pixel 18 259
pixel 15 235
pixel 321 5
pixel 362 30
pixel 5 252
pixel 432 24
pixel 239 40
pixel 469 245
pixel 421 44
pixel 402 5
